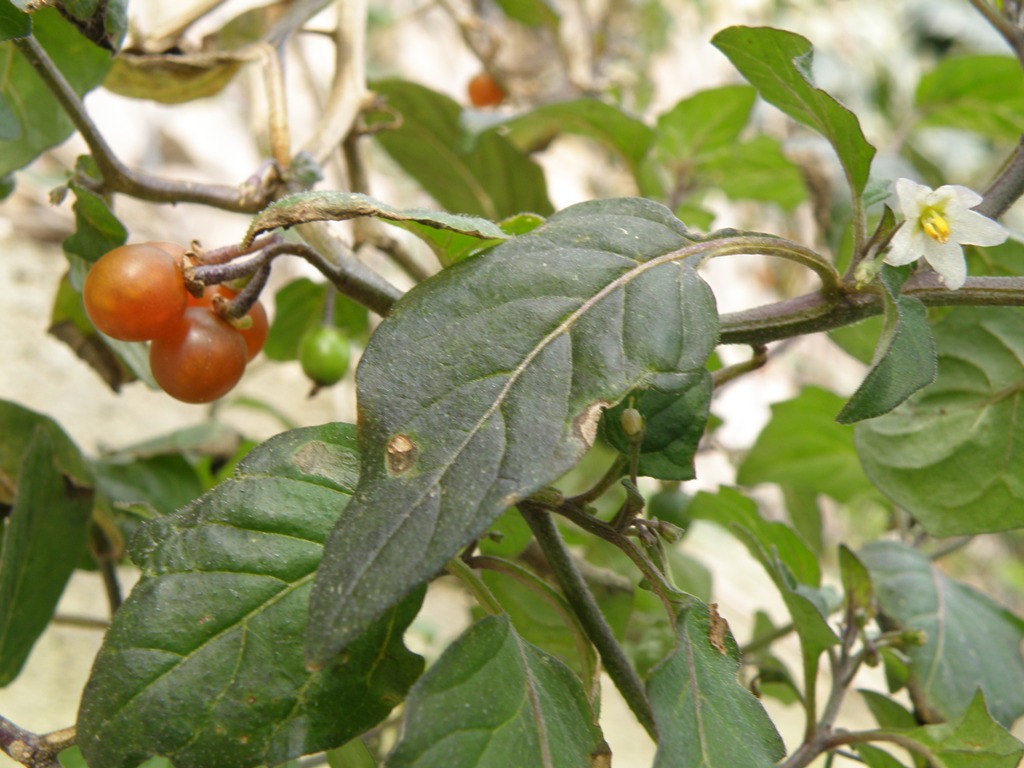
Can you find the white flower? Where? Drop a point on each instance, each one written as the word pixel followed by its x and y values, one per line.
pixel 938 222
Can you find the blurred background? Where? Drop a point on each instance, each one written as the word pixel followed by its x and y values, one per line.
pixel 642 55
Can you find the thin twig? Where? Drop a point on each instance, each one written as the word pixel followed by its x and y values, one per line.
pixel 117 177
pixel 1012 33
pixel 348 88
pixel 1007 187
pixel 34 750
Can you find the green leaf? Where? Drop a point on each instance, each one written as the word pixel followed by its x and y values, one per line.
pixel 97 229
pixel 888 712
pixel 675 411
pixel 298 307
pixel 904 360
pixel 163 482
pixel 42 539
pixel 703 124
pixel 491 178
pixel 624 134
pixel 704 716
pixel 487 381
pixel 973 740
pixel 42 121
pixel 340 206
pixel 18 425
pixel 494 701
pixel 778 63
pixel 532 13
pixel 874 757
pixel 730 508
pixel 984 94
pixel 950 455
pixel 857 585
pixel 971 641
pixel 13 22
pixel 104 22
pixel 754 170
pixel 803 447
pixel 225 683
pixel 781 552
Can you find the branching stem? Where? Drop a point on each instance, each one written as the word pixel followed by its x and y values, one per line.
pixel 117 177
pixel 31 749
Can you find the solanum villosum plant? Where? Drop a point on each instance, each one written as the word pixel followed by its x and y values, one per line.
pixel 528 411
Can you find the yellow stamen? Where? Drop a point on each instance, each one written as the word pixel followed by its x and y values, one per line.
pixel 935 226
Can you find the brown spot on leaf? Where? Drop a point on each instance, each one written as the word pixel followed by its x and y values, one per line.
pixel 719 629
pixel 401 454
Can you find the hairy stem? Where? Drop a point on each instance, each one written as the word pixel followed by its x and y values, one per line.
pixel 814 312
pixel 582 601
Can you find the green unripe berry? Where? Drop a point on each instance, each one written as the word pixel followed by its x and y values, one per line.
pixel 324 355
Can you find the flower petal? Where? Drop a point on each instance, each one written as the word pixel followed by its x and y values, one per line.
pixel 948 260
pixel 911 196
pixel 973 228
pixel 965 196
pixel 906 245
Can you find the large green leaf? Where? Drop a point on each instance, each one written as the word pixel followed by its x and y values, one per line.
pixel 971 642
pixel 704 716
pixel 42 122
pixel 487 381
pixel 803 447
pixel 495 701
pixel 972 740
pixel 698 146
pixel 203 663
pixel 488 177
pixel 44 535
pixel 976 93
pixel 904 359
pixel 629 136
pixel 702 124
pixel 951 454
pixel 754 170
pixel 778 63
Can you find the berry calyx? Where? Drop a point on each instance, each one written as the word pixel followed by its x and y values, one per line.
pixel 254 327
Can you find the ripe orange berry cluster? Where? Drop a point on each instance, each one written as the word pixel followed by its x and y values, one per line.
pixel 137 293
